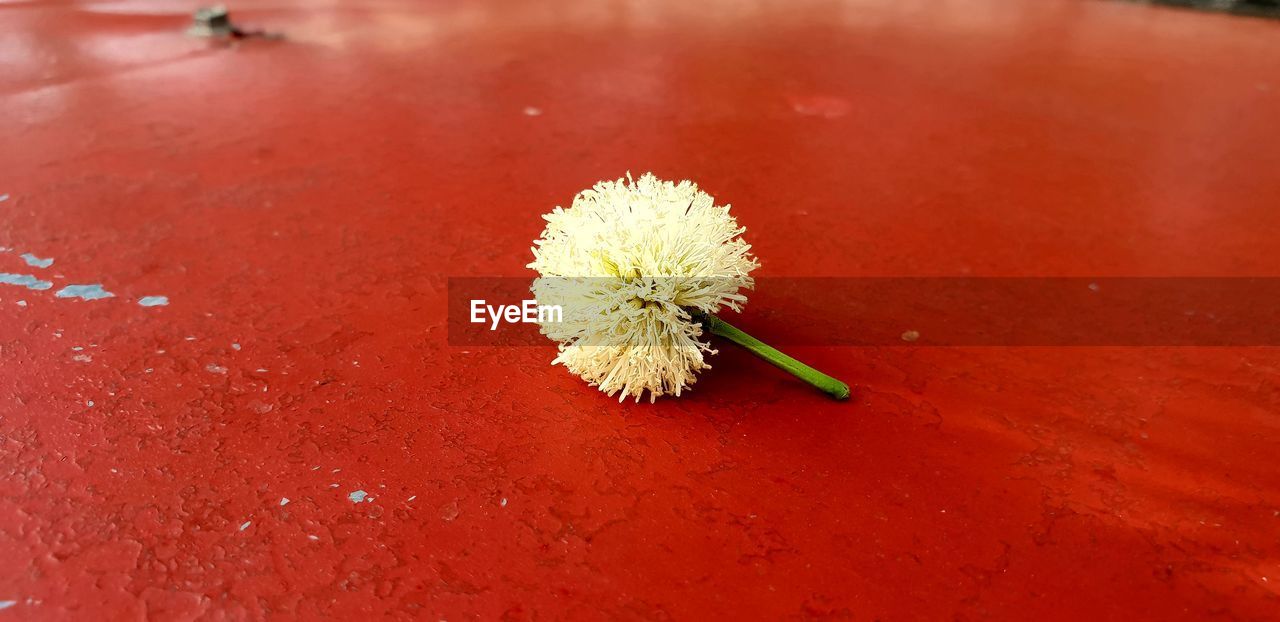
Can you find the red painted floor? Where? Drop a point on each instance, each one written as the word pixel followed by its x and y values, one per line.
pixel 302 203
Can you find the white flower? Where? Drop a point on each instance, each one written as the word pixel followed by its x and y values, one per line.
pixel 627 263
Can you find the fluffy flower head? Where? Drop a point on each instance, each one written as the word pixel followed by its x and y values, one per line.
pixel 630 263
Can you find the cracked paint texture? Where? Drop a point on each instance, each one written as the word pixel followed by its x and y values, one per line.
pixel 306 200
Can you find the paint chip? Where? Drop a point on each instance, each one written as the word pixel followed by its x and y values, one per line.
pixel 93 291
pixel 82 358
pixel 503 503
pixel 284 501
pixel 5 604
pixel 153 301
pixel 357 496
pixel 25 280
pixel 824 106
pixel 22 303
pixel 235 346
pixel 215 368
pixel 245 525
pixel 450 511
pixel 3 198
pixel 36 262
pixel 313 537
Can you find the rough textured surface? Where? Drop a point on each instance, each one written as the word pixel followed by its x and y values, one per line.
pixel 302 202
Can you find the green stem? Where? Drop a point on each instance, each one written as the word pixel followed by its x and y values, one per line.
pixel 819 380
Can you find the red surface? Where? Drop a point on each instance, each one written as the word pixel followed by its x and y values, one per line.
pixel 307 200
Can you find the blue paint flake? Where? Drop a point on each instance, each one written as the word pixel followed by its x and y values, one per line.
pixel 25 280
pixel 153 301
pixel 85 292
pixel 5 604
pixel 36 262
pixel 357 496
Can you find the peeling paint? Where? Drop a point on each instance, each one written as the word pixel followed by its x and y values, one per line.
pixel 25 280
pixel 153 301
pixel 37 262
pixel 93 291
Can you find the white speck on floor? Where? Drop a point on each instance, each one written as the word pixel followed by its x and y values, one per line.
pixel 284 500
pixel 245 525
